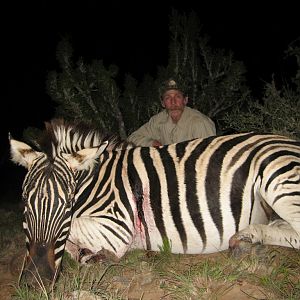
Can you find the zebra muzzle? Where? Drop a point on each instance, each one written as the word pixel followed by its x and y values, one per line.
pixel 39 270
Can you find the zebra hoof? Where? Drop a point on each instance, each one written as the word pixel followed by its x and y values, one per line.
pixel 239 248
pixel 96 258
pixel 102 256
pixel 85 256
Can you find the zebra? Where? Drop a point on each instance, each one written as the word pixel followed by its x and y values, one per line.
pixel 97 197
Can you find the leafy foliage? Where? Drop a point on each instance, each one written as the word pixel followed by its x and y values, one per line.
pixel 138 101
pixel 277 112
pixel 86 92
pixel 213 79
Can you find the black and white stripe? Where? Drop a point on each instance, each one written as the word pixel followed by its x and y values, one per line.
pixel 196 194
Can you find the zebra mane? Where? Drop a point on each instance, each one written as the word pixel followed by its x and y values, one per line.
pixel 67 137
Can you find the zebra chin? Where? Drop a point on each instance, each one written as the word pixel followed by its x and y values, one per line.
pixel 39 270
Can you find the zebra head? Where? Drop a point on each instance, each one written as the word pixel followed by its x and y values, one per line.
pixel 49 193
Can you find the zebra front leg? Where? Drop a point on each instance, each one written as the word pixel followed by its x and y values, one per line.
pixel 278 232
pixel 73 250
pixel 85 256
pixel 98 242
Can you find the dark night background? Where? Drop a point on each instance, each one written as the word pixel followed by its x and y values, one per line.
pixel 134 36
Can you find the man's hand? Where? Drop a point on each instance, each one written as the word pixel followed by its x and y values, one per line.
pixel 156 143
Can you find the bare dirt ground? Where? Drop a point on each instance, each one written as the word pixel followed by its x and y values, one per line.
pixel 9 271
pixel 11 259
pixel 146 285
pixel 133 284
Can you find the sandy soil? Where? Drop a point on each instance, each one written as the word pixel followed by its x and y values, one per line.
pixel 144 284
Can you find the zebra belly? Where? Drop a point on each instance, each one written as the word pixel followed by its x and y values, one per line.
pixel 88 233
pixel 183 237
pixel 194 244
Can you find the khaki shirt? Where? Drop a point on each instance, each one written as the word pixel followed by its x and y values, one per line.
pixel 192 124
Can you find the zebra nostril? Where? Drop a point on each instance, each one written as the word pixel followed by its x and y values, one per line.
pixel 37 279
pixel 37 272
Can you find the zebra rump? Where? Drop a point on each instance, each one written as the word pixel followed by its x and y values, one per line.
pixel 97 197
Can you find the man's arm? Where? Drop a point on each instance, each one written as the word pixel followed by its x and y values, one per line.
pixel 147 135
pixel 204 127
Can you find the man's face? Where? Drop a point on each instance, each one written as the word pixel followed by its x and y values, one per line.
pixel 174 100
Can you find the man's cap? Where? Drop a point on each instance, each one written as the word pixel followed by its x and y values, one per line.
pixel 170 84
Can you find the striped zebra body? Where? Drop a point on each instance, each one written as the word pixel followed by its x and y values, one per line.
pixel 200 195
pixel 195 194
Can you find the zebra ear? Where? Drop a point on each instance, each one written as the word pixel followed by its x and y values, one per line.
pixel 22 154
pixel 85 158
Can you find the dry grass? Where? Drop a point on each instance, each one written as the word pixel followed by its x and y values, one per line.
pixel 149 275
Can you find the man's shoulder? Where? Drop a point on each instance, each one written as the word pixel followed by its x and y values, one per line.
pixel 159 116
pixel 195 112
pixel 195 116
